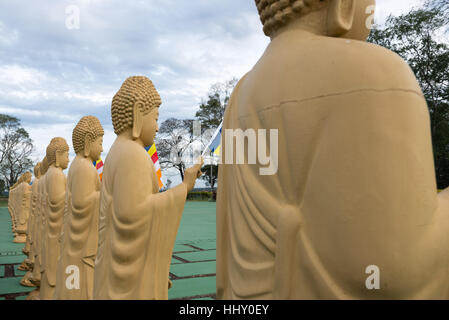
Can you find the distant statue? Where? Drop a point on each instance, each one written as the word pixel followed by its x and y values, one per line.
pixel 138 225
pixel 350 209
pixel 80 236
pixel 12 203
pixel 29 249
pixel 38 232
pixel 23 202
pixel 54 196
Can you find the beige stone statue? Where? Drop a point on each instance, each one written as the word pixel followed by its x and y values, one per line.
pixel 23 202
pixel 11 207
pixel 80 237
pixel 55 190
pixel 29 262
pixel 27 248
pixel 138 225
pixel 38 229
pixel 14 208
pixel 353 199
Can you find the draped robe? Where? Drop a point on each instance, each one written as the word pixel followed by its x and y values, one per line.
pixel 55 188
pixel 39 230
pixel 32 222
pixel 80 236
pixel 31 231
pixel 137 227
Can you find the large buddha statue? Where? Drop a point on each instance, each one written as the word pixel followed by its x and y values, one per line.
pixel 80 237
pixel 138 224
pixel 23 202
pixel 54 196
pixel 352 189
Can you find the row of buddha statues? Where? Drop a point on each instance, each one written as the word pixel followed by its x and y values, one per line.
pixel 113 238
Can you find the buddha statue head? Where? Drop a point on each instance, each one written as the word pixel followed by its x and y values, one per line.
pixel 26 177
pixel 87 138
pixel 135 109
pixel 333 18
pixel 44 166
pixel 37 170
pixel 58 153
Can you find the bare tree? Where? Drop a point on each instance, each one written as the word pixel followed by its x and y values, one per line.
pixel 173 143
pixel 211 112
pixel 16 148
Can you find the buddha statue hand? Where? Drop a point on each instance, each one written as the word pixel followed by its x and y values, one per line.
pixel 193 173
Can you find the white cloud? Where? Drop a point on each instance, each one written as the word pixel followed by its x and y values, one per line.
pixel 8 37
pixel 51 76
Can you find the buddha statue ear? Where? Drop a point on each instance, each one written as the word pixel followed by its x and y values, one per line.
pixel 58 159
pixel 137 119
pixel 87 144
pixel 340 17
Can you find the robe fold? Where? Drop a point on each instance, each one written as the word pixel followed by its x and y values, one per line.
pixel 55 188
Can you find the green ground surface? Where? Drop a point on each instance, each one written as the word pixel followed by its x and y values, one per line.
pixel 193 264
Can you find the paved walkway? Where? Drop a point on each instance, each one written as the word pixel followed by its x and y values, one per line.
pixel 193 264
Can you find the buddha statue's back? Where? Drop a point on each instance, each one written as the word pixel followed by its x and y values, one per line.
pixel 355 184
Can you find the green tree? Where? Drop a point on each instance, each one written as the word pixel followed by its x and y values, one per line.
pixel 212 111
pixel 416 37
pixel 16 149
pixel 210 175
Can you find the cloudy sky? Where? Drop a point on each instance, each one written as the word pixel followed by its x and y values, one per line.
pixel 52 74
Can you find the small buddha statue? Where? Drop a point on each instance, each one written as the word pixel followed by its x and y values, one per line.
pixel 352 196
pixel 23 201
pixel 54 196
pixel 29 262
pixel 15 209
pixel 80 236
pixel 11 198
pixel 12 206
pixel 138 224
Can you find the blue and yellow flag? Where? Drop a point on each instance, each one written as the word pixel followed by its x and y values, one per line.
pixel 214 144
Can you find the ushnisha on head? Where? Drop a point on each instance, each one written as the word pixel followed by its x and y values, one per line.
pixel 135 109
pixel 27 177
pixel 340 18
pixel 87 137
pixel 58 153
